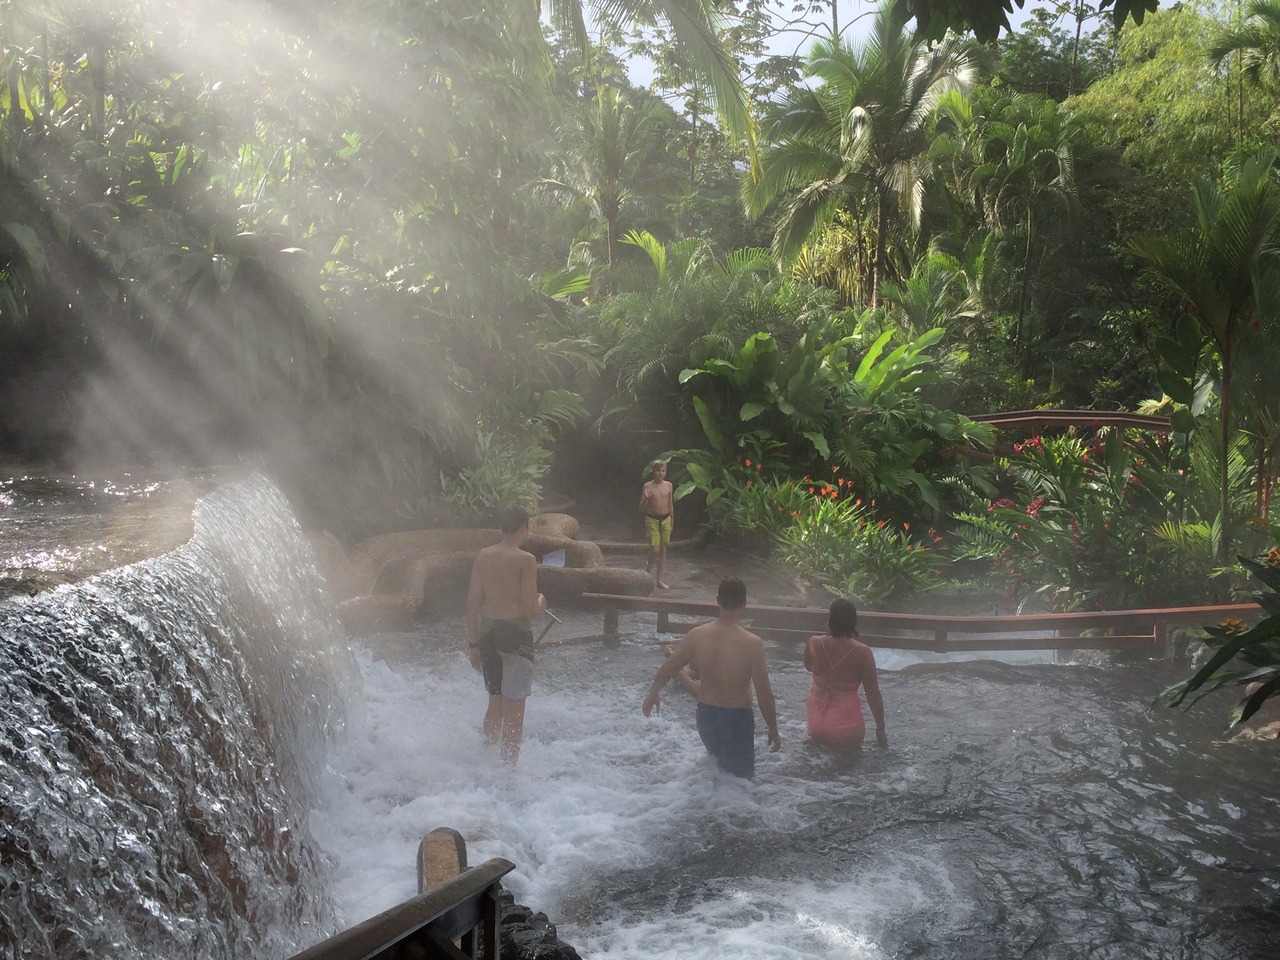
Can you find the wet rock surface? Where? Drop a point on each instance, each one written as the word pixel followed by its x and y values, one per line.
pixel 529 935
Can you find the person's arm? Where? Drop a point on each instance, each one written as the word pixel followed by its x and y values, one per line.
pixel 475 594
pixel 680 657
pixel 644 498
pixel 808 653
pixel 764 696
pixel 532 603
pixel 871 685
pixel 671 503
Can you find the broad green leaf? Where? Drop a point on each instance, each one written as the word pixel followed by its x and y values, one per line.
pixel 709 426
pixel 819 443
pixel 1176 386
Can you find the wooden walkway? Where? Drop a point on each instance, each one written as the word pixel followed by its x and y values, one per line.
pixel 1099 630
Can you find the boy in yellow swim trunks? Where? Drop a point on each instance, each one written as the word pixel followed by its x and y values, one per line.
pixel 659 507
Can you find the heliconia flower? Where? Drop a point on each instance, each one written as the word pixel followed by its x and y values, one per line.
pixel 747 462
pixel 1272 558
pixel 906 526
pixel 1232 625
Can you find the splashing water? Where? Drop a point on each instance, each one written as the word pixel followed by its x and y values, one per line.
pixel 1024 810
pixel 179 777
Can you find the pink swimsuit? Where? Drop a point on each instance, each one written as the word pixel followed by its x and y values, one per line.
pixel 834 708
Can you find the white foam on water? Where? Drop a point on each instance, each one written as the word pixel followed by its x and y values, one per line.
pixel 599 789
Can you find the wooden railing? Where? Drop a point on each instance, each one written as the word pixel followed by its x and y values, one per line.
pixel 426 927
pixel 1095 630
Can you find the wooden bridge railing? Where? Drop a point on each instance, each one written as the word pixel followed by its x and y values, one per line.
pixel 426 927
pixel 1094 630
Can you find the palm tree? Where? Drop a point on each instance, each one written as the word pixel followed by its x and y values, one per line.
pixel 1025 175
pixel 612 163
pixel 696 25
pixel 1225 268
pixel 1256 39
pixel 855 138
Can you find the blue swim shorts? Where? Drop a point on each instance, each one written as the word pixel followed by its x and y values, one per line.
pixel 729 735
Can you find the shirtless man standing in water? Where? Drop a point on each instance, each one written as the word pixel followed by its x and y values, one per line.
pixel 730 661
pixel 502 600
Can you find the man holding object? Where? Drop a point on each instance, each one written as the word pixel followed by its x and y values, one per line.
pixel 502 600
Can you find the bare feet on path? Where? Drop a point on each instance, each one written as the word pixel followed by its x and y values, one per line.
pixel 663 586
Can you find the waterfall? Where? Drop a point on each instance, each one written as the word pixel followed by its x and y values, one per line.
pixel 162 726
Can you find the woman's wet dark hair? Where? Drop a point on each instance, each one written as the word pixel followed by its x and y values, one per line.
pixel 843 618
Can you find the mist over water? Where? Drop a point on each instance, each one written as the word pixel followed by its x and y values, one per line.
pixel 193 765
pixel 1024 810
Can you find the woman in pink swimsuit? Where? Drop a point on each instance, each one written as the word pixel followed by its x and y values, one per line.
pixel 840 663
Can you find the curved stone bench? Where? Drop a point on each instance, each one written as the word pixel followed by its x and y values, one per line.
pixel 384 582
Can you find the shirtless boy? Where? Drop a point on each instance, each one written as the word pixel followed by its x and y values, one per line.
pixel 659 507
pixel 730 662
pixel 502 599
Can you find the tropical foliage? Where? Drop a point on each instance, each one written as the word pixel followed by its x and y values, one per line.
pixel 1248 657
pixel 422 258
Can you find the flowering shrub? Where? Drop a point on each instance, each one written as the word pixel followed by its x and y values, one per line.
pixel 836 540
pixel 756 509
pixel 1084 529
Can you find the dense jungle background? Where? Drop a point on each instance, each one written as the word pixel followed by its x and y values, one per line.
pixel 420 259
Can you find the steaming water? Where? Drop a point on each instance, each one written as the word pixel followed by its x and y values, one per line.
pixel 1023 810
pixel 176 781
pixel 160 726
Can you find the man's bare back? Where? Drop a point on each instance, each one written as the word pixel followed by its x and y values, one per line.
pixel 504 594
pixel 730 662
pixel 723 655
pixel 504 583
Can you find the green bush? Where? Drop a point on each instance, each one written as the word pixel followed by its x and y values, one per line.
pixel 837 541
pixel 507 471
pixel 1088 525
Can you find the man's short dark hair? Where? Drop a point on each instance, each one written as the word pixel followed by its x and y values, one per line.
pixel 511 519
pixel 732 594
pixel 842 621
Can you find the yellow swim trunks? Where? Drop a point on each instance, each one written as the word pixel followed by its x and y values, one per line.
pixel 658 528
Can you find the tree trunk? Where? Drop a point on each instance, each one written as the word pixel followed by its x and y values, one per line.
pixel 1224 494
pixel 877 268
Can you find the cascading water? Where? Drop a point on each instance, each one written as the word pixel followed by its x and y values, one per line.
pixel 161 729
pixel 164 726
